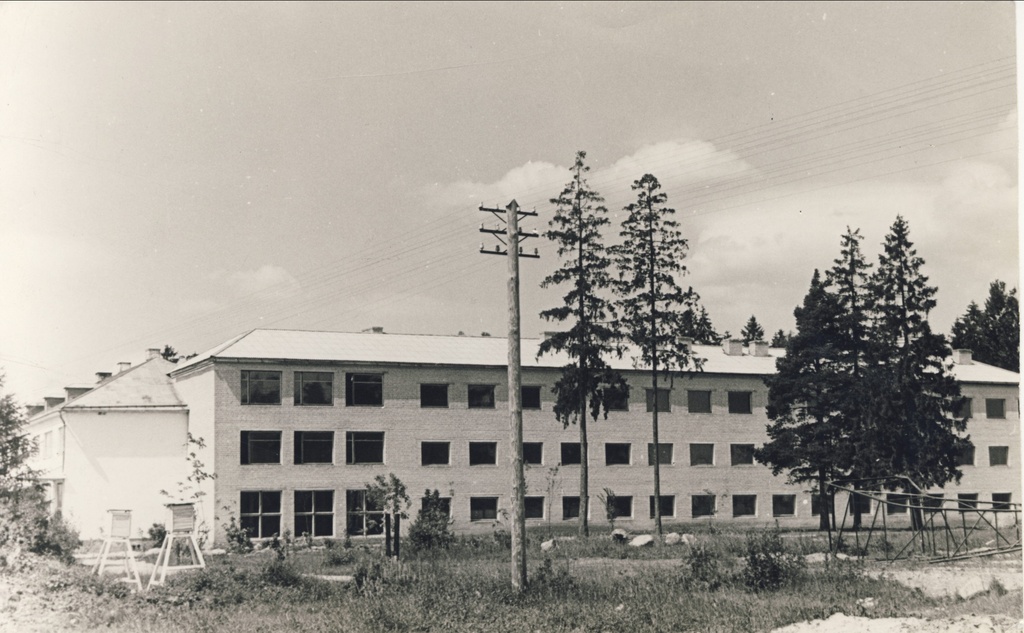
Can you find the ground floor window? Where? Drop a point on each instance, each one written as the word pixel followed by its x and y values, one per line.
pixel 744 505
pixel 363 516
pixel 483 508
pixel 668 505
pixel 783 505
pixel 1001 500
pixel 896 503
pixel 621 507
pixel 702 505
pixel 570 508
pixel 816 505
pixel 967 500
pixel 534 507
pixel 260 512
pixel 314 512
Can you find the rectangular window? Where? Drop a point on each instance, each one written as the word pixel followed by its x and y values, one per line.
pixel 618 398
pixel 664 400
pixel 816 505
pixel 364 517
pixel 364 390
pixel 1001 500
pixel 534 507
pixel 967 500
pixel 314 512
pixel 965 457
pixel 621 507
pixel 995 408
pixel 668 505
pixel 570 508
pixel 932 500
pixel 744 505
pixel 261 387
pixel 740 402
pixel 616 454
pixel 483 453
pixel 702 506
pixel 314 388
pixel 702 454
pixel 860 503
pixel 314 447
pixel 444 502
pixel 483 508
pixel 896 503
pixel 364 447
pixel 783 505
pixel 998 455
pixel 965 409
pixel 741 454
pixel 533 453
pixel 698 401
pixel 434 396
pixel 261 447
pixel 530 397
pixel 481 396
pixel 665 454
pixel 571 455
pixel 435 453
pixel 260 512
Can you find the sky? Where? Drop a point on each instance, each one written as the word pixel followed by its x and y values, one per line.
pixel 178 174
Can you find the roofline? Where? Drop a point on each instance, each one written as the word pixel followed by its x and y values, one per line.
pixel 131 407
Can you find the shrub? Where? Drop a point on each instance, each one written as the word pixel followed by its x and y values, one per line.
pixel 238 538
pixel 432 528
pixel 336 557
pixel 768 565
pixel 280 573
pixel 26 523
pixel 157 533
pixel 705 568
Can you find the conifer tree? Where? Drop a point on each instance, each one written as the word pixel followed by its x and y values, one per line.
pixel 752 331
pixel 651 302
pixel 780 338
pixel 16 448
pixel 697 323
pixel 993 334
pixel 587 384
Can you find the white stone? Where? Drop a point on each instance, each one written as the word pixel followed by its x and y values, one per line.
pixel 970 586
pixel 673 538
pixel 689 539
pixel 547 546
pixel 817 557
pixel 644 540
pixel 619 535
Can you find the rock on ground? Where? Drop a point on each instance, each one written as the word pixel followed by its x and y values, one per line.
pixel 644 540
pixel 619 535
pixel 547 546
pixel 672 538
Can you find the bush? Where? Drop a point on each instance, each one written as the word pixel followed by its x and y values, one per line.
pixel 432 528
pixel 768 565
pixel 157 533
pixel 238 538
pixel 705 568
pixel 26 523
pixel 336 557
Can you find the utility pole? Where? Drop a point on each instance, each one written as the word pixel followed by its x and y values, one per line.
pixel 510 215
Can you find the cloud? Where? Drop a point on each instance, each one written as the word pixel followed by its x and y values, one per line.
pixel 267 281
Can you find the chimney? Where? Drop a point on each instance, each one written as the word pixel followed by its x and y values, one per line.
pixel 102 375
pixel 74 392
pixel 53 401
pixel 758 348
pixel 687 342
pixel 32 409
pixel 963 357
pixel 123 366
pixel 377 329
pixel 733 347
pixel 152 353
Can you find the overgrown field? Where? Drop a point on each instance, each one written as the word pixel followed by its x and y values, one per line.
pixel 726 581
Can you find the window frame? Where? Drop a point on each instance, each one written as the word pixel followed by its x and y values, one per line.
pixel 523 399
pixel 709 464
pixel 540 448
pixel 1001 503
pixel 356 383
pixel 896 503
pixel 246 451
pixel 966 407
pixel 534 500
pixel 967 500
pixel 751 498
pixel 364 511
pixel 733 448
pixel 569 503
pixel 299 382
pixel 696 500
pixel 623 499
pixel 662 448
pixel 618 399
pixel 966 457
pixel 478 444
pixel 435 443
pixel 562 450
pixel 610 450
pixel 481 513
pixel 351 445
pixel 315 512
pixel 664 398
pixel 1005 457
pixel 1000 414
pixel 670 499
pixel 489 400
pixel 260 514
pixel 299 440
pixel 425 386
pixel 692 406
pixel 775 505
pixel 747 407
pixel 248 383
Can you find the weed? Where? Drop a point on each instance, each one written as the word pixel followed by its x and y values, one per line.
pixel 768 565
pixel 238 538
pixel 706 571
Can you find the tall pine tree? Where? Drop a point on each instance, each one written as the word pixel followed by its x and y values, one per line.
pixel 587 384
pixel 752 331
pixel 993 334
pixel 651 302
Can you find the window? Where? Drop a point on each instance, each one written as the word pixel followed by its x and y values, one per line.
pixel 483 453
pixel 261 447
pixel 261 387
pixel 533 453
pixel 434 396
pixel 698 401
pixel 965 457
pixel 964 410
pixel 571 455
pixel 260 513
pixel 741 454
pixel 570 508
pixel 664 454
pixel 702 505
pixel 1001 500
pixel 995 408
pixel 314 388
pixel 896 503
pixel 740 402
pixel 934 501
pixel 314 512
pixel 364 390
pixel 534 507
pixel 998 455
pixel 967 500
pixel 860 503
pixel 314 447
pixel 483 508
pixel 702 454
pixel 618 398
pixel 435 453
pixel 621 507
pixel 530 397
pixel 816 505
pixel 744 505
pixel 444 502
pixel 481 396
pixel 783 505
pixel 363 447
pixel 664 400
pixel 616 454
pixel 363 516
pixel 668 506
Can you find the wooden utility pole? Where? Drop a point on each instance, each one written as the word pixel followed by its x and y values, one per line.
pixel 511 241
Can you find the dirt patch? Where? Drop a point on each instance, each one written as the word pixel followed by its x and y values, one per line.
pixel 840 623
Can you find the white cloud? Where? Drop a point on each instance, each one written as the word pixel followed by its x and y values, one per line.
pixel 267 281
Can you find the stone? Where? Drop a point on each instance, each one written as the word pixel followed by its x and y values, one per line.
pixel 672 538
pixel 970 586
pixel 817 557
pixel 619 535
pixel 547 546
pixel 216 552
pixel 688 539
pixel 644 540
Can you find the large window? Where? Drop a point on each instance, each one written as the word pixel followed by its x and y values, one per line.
pixel 530 397
pixel 896 503
pixel 665 454
pixel 261 387
pixel 744 505
pixel 702 506
pixel 314 447
pixel 481 396
pixel 260 513
pixel 571 454
pixel 483 453
pixel 533 453
pixel 434 396
pixel 698 401
pixel 534 507
pixel 783 505
pixel 995 408
pixel 668 505
pixel 664 400
pixel 616 454
pixel 364 516
pixel 740 402
pixel 570 508
pixel 364 390
pixel 618 398
pixel 621 507
pixel 314 512
pixel 998 455
pixel 435 453
pixel 364 447
pixel 816 505
pixel 1001 500
pixel 702 454
pixel 741 454
pixel 965 457
pixel 965 409
pixel 261 447
pixel 483 508
pixel 314 388
pixel 444 503
pixel 967 500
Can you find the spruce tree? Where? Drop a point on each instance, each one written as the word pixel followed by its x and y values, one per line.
pixel 993 334
pixel 587 384
pixel 651 302
pixel 752 331
pixel 780 338
pixel 697 323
